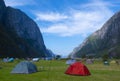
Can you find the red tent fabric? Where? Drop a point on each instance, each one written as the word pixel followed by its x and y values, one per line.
pixel 78 68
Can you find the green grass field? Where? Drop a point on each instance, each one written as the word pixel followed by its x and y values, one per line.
pixel 54 71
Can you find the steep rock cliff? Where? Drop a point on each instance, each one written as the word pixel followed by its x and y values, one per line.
pixel 2 9
pixel 23 32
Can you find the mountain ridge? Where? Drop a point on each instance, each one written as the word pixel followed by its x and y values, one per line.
pixel 103 41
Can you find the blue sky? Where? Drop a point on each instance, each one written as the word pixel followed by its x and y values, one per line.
pixel 66 23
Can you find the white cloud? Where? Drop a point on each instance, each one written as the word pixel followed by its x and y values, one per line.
pixel 19 2
pixel 83 21
pixel 56 29
pixel 50 16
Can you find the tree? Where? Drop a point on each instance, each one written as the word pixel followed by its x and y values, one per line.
pixel 105 57
pixel 58 57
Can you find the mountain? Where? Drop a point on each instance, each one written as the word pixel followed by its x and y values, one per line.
pixel 104 41
pixel 51 54
pixel 19 34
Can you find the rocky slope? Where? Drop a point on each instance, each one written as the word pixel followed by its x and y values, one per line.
pixel 20 35
pixel 104 41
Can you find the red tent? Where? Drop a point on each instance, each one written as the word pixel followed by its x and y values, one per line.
pixel 77 68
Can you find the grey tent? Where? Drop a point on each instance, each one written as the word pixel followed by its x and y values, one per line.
pixel 71 61
pixel 24 67
pixel 35 59
pixel 89 61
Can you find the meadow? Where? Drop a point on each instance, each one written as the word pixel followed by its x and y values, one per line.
pixel 54 71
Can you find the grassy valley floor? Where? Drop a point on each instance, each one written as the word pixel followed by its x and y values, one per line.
pixel 54 71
